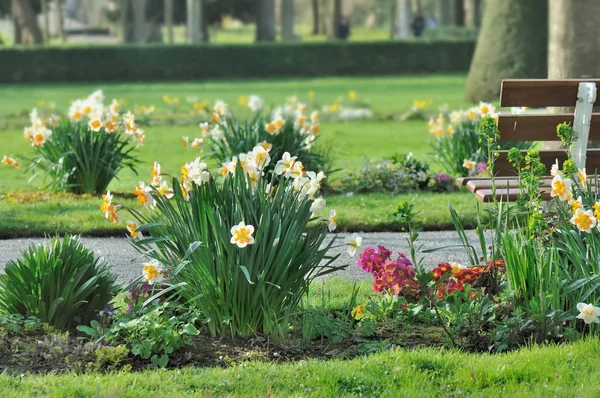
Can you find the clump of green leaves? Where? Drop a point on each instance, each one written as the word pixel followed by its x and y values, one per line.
pixel 63 284
pixel 566 134
pixel 76 159
pixel 152 332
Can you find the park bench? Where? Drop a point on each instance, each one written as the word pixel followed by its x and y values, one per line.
pixel 538 126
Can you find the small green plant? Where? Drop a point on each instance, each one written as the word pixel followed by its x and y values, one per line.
pixel 152 332
pixel 63 284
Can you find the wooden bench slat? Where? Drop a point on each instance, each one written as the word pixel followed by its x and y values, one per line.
pixel 501 183
pixel 539 127
pixel 504 195
pixel 541 92
pixel 503 168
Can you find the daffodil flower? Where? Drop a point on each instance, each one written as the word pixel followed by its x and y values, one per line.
pixel 153 272
pixel 9 161
pixel 185 141
pixel 317 205
pixel 584 220
pixel 560 187
pixel 156 177
pixel 588 313
pixel 332 220
pixel 353 244
pixel 241 235
pixel 132 227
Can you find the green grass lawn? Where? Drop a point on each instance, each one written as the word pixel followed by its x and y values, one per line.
pixel 385 94
pixel 350 142
pixel 555 371
pixel 37 214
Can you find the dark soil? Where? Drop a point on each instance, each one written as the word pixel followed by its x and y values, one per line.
pixel 41 352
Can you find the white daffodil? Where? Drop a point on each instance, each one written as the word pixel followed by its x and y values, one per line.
pixel 588 313
pixel 561 187
pixel 241 235
pixel 285 164
pixel 260 156
pixel 317 205
pixel 153 272
pixel 255 103
pixel 132 227
pixel 584 220
pixel 353 244
pixel 332 220
pixel 554 169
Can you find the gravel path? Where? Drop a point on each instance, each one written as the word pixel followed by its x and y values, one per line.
pixel 126 261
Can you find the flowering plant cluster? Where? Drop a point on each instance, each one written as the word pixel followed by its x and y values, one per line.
pixel 247 234
pixel 84 152
pixel 457 142
pixel 396 277
pixel 290 128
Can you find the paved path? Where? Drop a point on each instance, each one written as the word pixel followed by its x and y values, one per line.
pixel 126 261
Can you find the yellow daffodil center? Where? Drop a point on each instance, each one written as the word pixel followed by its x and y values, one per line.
pixel 242 235
pixel 596 208
pixel 151 272
pixel 559 187
pixel 583 221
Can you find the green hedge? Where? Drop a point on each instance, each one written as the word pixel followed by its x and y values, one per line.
pixel 182 62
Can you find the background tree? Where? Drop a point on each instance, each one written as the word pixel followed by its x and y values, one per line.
pixel 337 18
pixel 574 39
pixel 472 8
pixel 27 30
pixel 459 13
pixel 445 10
pixel 265 20
pixel 315 17
pixel 287 20
pixel 403 19
pixel 513 43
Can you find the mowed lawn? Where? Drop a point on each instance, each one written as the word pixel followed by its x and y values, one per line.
pixel 350 142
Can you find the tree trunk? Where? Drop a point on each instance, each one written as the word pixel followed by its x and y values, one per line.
pixel 403 19
pixel 315 14
pixel 337 19
pixel 194 21
pixel 393 13
pixel 27 30
pixel 46 32
pixel 513 43
pixel 459 13
pixel 59 20
pixel 287 20
pixel 126 25
pixel 265 20
pixel 470 7
pixel 446 12
pixel 169 20
pixel 325 17
pixel 140 30
pixel 574 44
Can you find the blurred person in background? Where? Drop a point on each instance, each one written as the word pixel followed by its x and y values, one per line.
pixel 343 29
pixel 418 25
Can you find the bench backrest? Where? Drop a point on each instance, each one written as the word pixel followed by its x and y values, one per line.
pixel 537 93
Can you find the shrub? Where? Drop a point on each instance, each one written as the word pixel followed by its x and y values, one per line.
pixel 185 62
pixel 243 251
pixel 84 154
pixel 62 284
pixel 398 174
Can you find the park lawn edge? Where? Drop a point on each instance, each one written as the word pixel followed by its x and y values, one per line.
pixel 24 214
pixel 563 370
